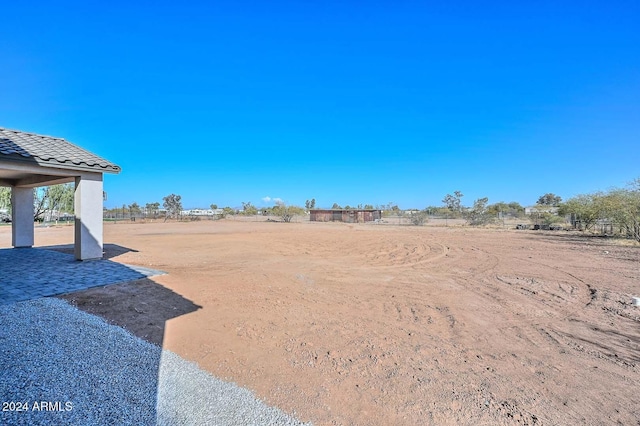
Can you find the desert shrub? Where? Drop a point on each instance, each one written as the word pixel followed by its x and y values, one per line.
pixel 419 218
pixel 287 213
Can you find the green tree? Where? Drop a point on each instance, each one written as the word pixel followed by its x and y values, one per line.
pixel 50 201
pixel 152 209
pixel 622 206
pixel 285 212
pixel 173 204
pixel 214 206
pixel 391 209
pixel 478 214
pixel 515 206
pixel 453 202
pixel 585 208
pixel 549 199
pixel 511 209
pixel 548 218
pixel 134 209
pixel 310 204
pixel 5 199
pixel 228 211
pixel 5 204
pixel 617 206
pixel 497 208
pixel 61 197
pixel 249 209
pixel 336 206
pixel 437 210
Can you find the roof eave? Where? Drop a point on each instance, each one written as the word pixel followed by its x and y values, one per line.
pixel 112 168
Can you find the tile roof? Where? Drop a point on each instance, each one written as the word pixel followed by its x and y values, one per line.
pixel 48 151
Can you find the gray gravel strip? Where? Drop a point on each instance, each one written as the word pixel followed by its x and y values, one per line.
pixel 59 365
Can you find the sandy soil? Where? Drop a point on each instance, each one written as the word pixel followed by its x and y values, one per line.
pixel 382 324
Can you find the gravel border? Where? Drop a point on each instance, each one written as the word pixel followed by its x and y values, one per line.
pixel 63 366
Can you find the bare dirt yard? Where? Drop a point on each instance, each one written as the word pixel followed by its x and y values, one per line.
pixel 382 324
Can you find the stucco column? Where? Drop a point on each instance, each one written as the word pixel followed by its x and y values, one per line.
pixel 88 211
pixel 22 217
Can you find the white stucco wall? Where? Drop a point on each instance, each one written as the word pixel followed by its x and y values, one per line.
pixel 88 212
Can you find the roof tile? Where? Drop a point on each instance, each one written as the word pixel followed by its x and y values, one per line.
pixel 50 151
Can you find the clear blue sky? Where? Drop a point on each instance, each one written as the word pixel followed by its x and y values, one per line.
pixel 348 102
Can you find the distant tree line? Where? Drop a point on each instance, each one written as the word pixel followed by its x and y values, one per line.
pixel 620 207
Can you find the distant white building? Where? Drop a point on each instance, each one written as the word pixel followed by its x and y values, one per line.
pixel 202 212
pixel 540 209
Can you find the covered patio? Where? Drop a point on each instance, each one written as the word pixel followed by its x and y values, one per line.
pixel 28 160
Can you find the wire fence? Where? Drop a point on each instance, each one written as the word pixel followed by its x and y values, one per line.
pixel 405 219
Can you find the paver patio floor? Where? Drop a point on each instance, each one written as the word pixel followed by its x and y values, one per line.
pixel 31 273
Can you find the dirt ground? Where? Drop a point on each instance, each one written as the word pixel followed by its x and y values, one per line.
pixel 381 324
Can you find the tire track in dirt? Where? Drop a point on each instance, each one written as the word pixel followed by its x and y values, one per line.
pixel 570 327
pixel 402 325
pixel 412 256
pixel 534 298
pixel 402 306
pixel 484 265
pixel 588 294
pixel 483 281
